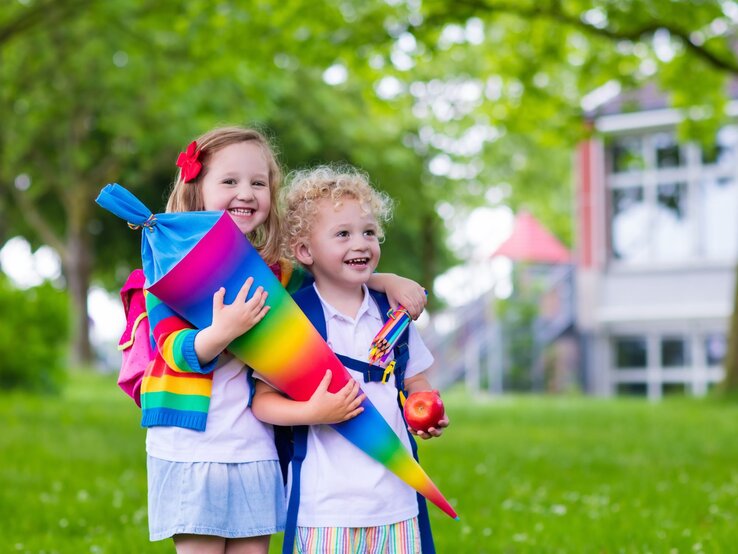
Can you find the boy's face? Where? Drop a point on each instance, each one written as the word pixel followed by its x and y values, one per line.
pixel 343 248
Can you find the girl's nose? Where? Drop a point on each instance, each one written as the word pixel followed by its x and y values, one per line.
pixel 245 192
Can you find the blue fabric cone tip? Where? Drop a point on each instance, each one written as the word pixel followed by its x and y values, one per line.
pixel 166 238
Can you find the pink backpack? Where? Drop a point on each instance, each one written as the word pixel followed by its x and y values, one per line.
pixel 135 343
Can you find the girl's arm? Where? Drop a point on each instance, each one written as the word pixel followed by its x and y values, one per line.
pixel 174 338
pixel 270 406
pixel 230 321
pixel 419 383
pixel 185 348
pixel 400 290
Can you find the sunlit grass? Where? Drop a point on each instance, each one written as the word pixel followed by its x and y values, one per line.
pixel 525 474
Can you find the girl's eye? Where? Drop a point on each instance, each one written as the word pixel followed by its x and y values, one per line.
pixel 370 233
pixel 229 181
pixel 342 234
pixel 259 184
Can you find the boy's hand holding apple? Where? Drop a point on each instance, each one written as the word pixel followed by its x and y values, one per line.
pixel 425 414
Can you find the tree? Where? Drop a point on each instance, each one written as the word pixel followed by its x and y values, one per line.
pixel 113 93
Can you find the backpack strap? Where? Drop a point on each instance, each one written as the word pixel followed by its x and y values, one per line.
pixel 308 301
pixel 426 535
pixel 401 358
pixel 300 433
pixel 401 350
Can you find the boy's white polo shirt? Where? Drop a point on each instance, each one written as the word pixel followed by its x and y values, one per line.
pixel 341 486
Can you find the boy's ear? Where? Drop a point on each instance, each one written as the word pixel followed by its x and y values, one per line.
pixel 303 255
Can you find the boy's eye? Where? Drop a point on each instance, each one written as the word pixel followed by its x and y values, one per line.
pixel 342 234
pixel 370 233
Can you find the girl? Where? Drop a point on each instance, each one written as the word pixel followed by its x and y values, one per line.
pixel 348 502
pixel 215 484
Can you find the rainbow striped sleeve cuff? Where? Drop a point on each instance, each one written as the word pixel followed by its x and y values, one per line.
pixel 175 338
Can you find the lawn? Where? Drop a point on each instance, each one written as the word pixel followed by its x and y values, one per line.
pixel 526 474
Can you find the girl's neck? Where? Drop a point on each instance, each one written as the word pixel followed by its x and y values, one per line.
pixel 345 300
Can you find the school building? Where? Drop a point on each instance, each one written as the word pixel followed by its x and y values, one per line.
pixel 656 250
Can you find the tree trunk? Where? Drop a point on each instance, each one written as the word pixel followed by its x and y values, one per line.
pixel 730 382
pixel 428 242
pixel 77 270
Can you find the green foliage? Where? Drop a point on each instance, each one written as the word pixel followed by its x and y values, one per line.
pixel 532 63
pixel 517 315
pixel 527 475
pixel 134 86
pixel 33 337
pixel 491 88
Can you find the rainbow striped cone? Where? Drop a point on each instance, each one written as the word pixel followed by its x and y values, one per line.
pixel 188 256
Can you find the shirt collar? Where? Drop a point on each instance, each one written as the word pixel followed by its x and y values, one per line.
pixel 368 307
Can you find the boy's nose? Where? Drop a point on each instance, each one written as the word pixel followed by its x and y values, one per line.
pixel 360 243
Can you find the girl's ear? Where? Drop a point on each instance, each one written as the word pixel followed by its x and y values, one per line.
pixel 303 255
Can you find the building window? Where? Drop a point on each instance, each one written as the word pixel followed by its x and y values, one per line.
pixel 723 153
pixel 716 347
pixel 674 389
pixel 627 154
pixel 629 224
pixel 668 153
pixel 631 389
pixel 672 202
pixel 672 226
pixel 630 353
pixel 675 353
pixel 719 216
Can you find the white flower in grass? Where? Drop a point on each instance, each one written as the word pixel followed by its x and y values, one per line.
pixel 558 509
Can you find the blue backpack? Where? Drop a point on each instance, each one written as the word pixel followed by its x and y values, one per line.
pixel 307 299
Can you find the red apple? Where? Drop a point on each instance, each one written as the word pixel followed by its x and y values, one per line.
pixel 424 410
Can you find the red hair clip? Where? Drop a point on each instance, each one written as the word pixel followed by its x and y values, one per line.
pixel 188 162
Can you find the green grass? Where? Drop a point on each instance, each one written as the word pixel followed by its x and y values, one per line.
pixel 525 474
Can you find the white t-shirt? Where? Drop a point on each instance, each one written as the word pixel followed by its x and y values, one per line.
pixel 232 433
pixel 341 486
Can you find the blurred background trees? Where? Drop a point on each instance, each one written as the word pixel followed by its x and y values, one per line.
pixel 448 105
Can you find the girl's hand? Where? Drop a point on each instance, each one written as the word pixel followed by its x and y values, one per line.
pixel 233 320
pixel 433 431
pixel 407 292
pixel 327 407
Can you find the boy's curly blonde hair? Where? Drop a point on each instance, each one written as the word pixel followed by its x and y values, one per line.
pixel 307 187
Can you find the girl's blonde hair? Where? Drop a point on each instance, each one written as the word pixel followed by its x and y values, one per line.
pixel 188 197
pixel 308 187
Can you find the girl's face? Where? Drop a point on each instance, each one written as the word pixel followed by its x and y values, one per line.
pixel 237 180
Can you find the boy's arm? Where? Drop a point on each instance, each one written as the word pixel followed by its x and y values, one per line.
pixel 400 290
pixel 420 383
pixel 270 406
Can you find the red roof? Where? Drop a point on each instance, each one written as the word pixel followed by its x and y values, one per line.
pixel 532 242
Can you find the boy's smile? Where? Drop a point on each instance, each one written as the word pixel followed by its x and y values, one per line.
pixel 343 248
